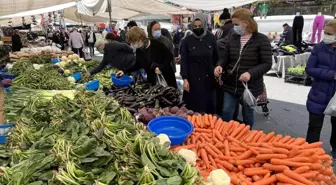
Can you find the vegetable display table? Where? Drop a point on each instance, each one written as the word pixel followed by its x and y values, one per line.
pixel 282 63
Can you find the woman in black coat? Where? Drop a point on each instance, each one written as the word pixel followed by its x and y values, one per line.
pixel 152 56
pixel 198 58
pixel 16 41
pixel 246 58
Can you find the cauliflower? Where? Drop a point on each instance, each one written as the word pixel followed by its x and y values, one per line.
pixel 75 56
pixel 67 72
pixel 81 60
pixel 37 66
pixel 218 177
pixel 164 140
pixel 9 66
pixel 62 64
pixel 188 155
pixel 64 58
pixel 75 61
pixel 71 79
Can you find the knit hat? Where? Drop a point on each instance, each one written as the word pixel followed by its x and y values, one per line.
pixel 225 15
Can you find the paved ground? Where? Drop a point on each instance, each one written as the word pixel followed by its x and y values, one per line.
pixel 288 114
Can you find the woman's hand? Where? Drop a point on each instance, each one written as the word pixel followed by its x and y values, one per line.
pixel 186 85
pixel 218 71
pixel 157 71
pixel 245 77
pixel 119 74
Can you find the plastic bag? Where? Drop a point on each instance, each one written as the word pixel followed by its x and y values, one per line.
pixel 331 108
pixel 161 80
pixel 87 55
pixel 248 97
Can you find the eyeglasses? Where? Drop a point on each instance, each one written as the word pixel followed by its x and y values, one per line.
pixel 197 26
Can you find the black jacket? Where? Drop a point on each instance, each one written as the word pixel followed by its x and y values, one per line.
pixel 156 55
pixel 16 43
pixel 287 36
pixel 224 30
pixel 198 59
pixel 117 54
pixel 256 59
pixel 88 36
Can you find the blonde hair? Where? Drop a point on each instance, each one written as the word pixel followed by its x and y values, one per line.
pixel 136 34
pixel 332 24
pixel 244 14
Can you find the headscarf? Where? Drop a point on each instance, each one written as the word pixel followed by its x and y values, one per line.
pixel 149 29
pixel 203 18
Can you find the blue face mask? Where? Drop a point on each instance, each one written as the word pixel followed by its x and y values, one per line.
pixel 239 30
pixel 157 34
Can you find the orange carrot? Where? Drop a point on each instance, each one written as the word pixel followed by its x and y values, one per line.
pixel 244 131
pixel 276 168
pixel 202 130
pixel 245 155
pixel 257 136
pixel 225 164
pixel 285 139
pixel 301 169
pixel 251 136
pixel 205 158
pixel 299 159
pixel 237 149
pixel 288 163
pixel 210 151
pixel 277 138
pixel 266 157
pixel 267 137
pixel 237 130
pixel 284 178
pixel 255 171
pixel 267 181
pixel 266 151
pixel 212 161
pixel 226 148
pixel 280 151
pixel 299 141
pixel 297 177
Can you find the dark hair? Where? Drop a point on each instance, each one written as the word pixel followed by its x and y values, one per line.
pixel 285 25
pixel 110 36
pixel 226 10
pixel 131 24
pixel 166 33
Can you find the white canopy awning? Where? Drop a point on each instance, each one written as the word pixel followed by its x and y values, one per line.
pixel 8 7
pixel 211 5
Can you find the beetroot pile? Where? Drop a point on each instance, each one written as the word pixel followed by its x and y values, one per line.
pixel 145 115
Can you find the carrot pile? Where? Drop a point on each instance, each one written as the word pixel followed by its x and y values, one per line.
pixel 253 157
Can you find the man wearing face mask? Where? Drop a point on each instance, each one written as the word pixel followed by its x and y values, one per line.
pixel 321 67
pixel 198 59
pixel 152 56
pixel 154 32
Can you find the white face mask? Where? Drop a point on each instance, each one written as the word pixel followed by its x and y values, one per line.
pixel 329 39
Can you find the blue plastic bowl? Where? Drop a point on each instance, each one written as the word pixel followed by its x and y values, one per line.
pixel 124 80
pixel 176 128
pixel 56 60
pixel 92 85
pixel 3 139
pixel 8 90
pixel 77 76
pixel 5 69
pixel 7 76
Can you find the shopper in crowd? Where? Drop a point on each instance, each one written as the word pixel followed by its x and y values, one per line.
pixel 165 32
pixel 198 59
pixel 16 41
pixel 117 54
pixel 222 36
pixel 246 58
pixel 154 32
pixel 177 39
pixel 4 54
pixel 76 42
pixel 321 66
pixel 286 38
pixel 226 24
pixel 90 40
pixel 152 56
pixel 131 24
pixel 123 34
pixel 186 34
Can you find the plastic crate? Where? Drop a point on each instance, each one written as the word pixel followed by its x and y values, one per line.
pixel 300 80
pixel 56 60
pixel 3 139
pixel 124 80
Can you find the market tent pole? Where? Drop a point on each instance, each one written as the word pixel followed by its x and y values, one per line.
pixel 109 7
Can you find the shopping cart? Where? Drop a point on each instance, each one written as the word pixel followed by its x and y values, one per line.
pixel 262 102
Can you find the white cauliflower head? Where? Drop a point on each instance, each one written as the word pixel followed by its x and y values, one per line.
pixel 164 140
pixel 188 155
pixel 219 177
pixel 71 79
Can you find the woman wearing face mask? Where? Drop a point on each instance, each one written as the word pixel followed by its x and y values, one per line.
pixel 246 58
pixel 152 56
pixel 155 32
pixel 322 67
pixel 198 58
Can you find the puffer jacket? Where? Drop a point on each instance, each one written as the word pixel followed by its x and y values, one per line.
pixel 321 66
pixel 256 59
